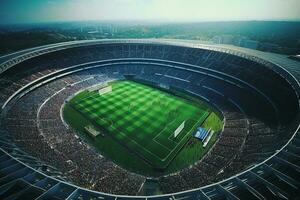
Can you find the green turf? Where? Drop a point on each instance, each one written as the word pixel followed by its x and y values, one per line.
pixel 142 119
pixel 138 122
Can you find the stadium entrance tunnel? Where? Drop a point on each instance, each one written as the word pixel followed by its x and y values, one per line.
pixel 78 113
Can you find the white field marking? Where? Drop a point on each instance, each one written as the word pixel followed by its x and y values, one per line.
pixel 142 147
pixel 205 112
pixel 164 128
pixel 162 145
pixel 169 122
pixel 119 131
pixel 177 144
pixel 196 122
pixel 159 133
pixel 134 140
pixel 153 139
pixel 182 139
pixel 85 98
pixel 170 136
pixel 137 142
pixel 150 104
pixel 92 96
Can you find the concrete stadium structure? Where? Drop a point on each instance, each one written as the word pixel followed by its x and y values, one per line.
pixel 257 94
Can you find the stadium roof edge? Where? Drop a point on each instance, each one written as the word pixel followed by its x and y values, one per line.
pixel 280 61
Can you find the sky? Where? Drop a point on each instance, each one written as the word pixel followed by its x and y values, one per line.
pixel 36 11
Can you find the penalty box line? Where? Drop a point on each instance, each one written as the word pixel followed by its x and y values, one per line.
pixel 131 139
pixel 205 114
pixel 179 143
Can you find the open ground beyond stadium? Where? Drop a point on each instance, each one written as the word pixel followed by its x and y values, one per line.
pixel 140 118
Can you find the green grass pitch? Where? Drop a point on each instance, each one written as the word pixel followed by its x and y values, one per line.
pixel 142 119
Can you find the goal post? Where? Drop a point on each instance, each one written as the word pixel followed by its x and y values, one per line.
pixel 179 129
pixel 97 87
pixel 105 90
pixel 91 131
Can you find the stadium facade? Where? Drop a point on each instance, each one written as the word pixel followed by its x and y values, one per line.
pixel 257 93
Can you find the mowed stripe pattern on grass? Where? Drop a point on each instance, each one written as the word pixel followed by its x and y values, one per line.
pixel 143 118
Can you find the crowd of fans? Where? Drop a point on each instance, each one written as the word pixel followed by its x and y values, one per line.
pixel 47 138
pixel 35 123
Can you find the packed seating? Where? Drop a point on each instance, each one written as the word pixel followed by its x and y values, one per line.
pixel 35 124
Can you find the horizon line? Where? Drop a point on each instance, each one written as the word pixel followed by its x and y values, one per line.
pixel 153 21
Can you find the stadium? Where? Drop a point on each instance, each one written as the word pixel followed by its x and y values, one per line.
pixel 149 119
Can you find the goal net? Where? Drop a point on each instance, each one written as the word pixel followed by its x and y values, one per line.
pixel 179 129
pixel 97 87
pixel 105 90
pixel 91 131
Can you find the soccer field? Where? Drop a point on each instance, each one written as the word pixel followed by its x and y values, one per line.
pixel 143 119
